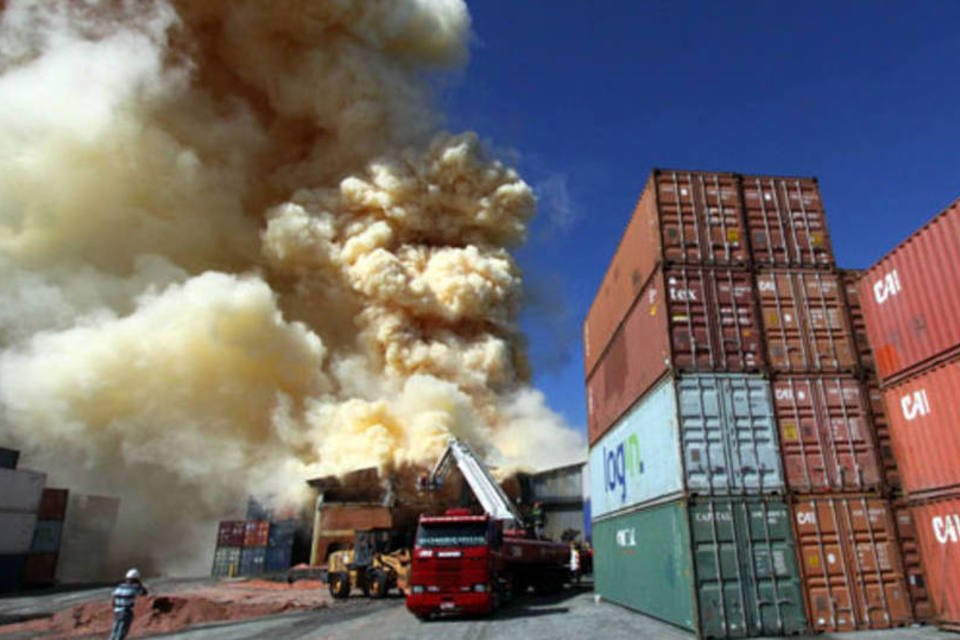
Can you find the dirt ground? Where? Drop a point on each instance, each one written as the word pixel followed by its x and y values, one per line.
pixel 166 612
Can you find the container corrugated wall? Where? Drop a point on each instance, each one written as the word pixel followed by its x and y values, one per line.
pixel 722 567
pixel 705 434
pixel 805 322
pixel 911 298
pixel 685 319
pixel 938 531
pixel 825 434
pixel 924 413
pixel 786 222
pixel 912 560
pixel 682 217
pixel 850 561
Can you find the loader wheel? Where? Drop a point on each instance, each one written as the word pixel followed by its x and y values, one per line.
pixel 379 584
pixel 339 585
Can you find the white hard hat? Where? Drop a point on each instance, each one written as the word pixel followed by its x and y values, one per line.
pixel 133 574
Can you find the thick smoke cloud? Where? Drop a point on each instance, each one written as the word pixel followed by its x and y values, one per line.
pixel 237 251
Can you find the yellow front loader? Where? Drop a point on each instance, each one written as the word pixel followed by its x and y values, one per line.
pixel 375 566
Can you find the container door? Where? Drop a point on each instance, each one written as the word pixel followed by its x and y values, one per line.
pixel 752 434
pixel 770 563
pixel 724 594
pixel 882 597
pixel 729 439
pixel 747 578
pixel 827 577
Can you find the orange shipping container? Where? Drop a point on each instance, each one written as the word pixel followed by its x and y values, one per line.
pixel 825 434
pixel 806 324
pixel 881 429
pixel 912 563
pixel 911 298
pixel 924 413
pixel 850 561
pixel 686 319
pixel 938 531
pixel 682 217
pixel 786 222
pixel 851 281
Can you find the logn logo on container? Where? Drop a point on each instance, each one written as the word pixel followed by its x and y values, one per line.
pixel 915 404
pixel 620 463
pixel 887 286
pixel 946 528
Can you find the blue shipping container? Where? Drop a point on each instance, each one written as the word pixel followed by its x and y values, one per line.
pixel 281 533
pixel 278 559
pixel 252 561
pixel 46 536
pixel 703 434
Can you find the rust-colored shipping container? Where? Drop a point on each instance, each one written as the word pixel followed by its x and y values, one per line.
pixel 851 564
pixel 786 222
pixel 938 531
pixel 805 322
pixel 881 429
pixel 851 281
pixel 911 298
pixel 686 319
pixel 924 413
pixel 257 533
pixel 230 533
pixel 682 217
pixel 912 563
pixel 53 504
pixel 825 434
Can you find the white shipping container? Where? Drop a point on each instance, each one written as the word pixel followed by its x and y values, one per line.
pixel 20 490
pixel 16 531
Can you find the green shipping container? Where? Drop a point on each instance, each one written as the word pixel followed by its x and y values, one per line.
pixel 721 567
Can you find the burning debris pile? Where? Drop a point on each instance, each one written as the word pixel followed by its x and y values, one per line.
pixel 237 251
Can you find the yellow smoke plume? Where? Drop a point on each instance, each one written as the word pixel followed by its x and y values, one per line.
pixel 236 251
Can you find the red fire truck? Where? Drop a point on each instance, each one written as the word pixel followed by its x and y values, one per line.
pixel 471 564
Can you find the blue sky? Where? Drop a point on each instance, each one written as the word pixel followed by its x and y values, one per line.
pixel 586 97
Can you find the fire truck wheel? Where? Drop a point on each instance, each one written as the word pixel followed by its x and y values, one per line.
pixel 339 585
pixel 423 617
pixel 379 586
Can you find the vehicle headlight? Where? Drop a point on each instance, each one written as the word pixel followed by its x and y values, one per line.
pixel 433 589
pixel 479 588
pixel 418 588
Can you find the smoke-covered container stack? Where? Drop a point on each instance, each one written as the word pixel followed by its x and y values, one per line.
pixel 226 557
pixel 263 543
pixel 41 564
pixel 20 493
pixel 689 520
pixel 911 309
pixel 846 534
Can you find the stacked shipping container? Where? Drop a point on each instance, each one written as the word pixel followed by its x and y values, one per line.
pixel 911 306
pixel 685 471
pixel 849 555
pixel 724 365
pixel 254 546
pixel 20 492
pixel 41 565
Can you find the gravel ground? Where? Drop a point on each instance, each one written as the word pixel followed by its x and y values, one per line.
pixel 573 615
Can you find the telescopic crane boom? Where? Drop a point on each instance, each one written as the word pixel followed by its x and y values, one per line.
pixel 491 496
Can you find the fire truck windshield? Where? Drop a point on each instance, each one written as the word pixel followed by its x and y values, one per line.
pixel 452 534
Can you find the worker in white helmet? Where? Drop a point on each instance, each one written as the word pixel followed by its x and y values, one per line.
pixel 124 597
